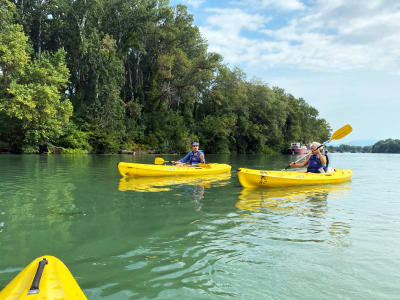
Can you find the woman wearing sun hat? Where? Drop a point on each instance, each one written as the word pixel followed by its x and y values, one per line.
pixel 316 162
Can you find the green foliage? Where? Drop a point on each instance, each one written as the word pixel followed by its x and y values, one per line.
pixel 13 47
pixel 74 151
pixel 352 149
pixel 102 142
pixel 167 132
pixel 386 146
pixel 30 95
pixel 34 99
pixel 138 75
pixel 383 146
pixel 101 103
pixel 3 146
pixel 347 148
pixel 216 133
pixel 74 139
pixel 28 149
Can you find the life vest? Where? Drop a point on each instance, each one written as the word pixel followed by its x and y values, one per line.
pixel 193 159
pixel 314 164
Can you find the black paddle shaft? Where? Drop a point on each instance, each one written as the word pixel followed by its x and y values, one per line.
pixel 36 280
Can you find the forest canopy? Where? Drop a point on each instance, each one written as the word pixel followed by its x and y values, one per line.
pixel 101 76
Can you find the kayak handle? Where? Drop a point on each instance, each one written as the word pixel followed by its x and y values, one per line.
pixel 36 280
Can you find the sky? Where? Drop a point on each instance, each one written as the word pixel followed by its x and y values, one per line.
pixel 341 56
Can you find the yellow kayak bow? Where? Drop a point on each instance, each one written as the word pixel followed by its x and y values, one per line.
pixel 46 278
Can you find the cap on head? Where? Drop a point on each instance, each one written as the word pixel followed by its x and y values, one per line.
pixel 195 144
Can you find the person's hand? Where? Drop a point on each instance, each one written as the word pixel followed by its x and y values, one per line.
pixel 316 151
pixel 173 162
pixel 292 164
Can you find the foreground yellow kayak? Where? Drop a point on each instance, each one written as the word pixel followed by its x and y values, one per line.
pixel 135 169
pixel 254 178
pixel 158 184
pixel 46 278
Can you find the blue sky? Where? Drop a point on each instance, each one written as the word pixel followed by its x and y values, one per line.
pixel 341 56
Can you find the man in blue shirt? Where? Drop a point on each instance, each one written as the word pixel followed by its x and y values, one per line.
pixel 194 157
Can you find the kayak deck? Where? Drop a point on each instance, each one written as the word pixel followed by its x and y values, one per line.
pixel 46 278
pixel 136 169
pixel 257 178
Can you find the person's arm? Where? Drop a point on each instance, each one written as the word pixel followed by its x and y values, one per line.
pixel 202 158
pixel 182 160
pixel 321 157
pixel 185 159
pixel 301 165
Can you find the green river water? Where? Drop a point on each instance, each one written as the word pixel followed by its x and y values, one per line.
pixel 204 240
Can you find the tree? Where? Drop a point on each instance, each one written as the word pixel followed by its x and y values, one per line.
pixel 139 74
pixel 386 146
pixel 32 95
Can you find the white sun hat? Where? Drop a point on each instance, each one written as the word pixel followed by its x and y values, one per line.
pixel 315 145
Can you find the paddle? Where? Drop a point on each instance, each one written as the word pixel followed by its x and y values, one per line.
pixel 160 161
pixel 337 135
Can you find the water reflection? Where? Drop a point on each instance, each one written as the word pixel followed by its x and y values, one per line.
pixel 159 184
pixel 287 199
pixel 194 186
pixel 197 193
pixel 308 208
pixel 27 213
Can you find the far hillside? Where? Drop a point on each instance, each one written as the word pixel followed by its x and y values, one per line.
pixel 383 146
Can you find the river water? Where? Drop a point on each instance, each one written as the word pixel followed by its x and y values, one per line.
pixel 204 238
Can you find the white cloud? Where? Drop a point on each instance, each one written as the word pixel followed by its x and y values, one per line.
pixel 277 4
pixel 305 51
pixel 236 19
pixel 224 33
pixel 334 35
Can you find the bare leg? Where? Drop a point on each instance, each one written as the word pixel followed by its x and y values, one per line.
pixel 179 164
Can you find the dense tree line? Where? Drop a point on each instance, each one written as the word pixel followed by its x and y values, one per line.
pixel 349 148
pixel 105 75
pixel 383 146
pixel 386 146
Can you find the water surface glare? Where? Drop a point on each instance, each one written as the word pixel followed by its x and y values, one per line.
pixel 204 238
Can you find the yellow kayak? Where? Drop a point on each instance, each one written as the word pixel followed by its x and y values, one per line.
pixel 135 169
pixel 255 178
pixel 158 184
pixel 46 278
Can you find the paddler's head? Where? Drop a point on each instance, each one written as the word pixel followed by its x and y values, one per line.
pixel 314 147
pixel 195 146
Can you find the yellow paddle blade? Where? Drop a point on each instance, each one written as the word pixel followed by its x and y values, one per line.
pixel 341 132
pixel 159 161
